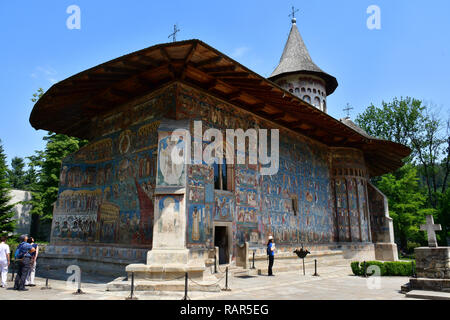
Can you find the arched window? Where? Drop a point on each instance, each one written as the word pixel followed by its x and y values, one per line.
pixel 317 102
pixel 314 91
pixel 291 91
pixel 303 90
pixel 324 106
pixel 309 90
pixel 307 99
pixel 297 90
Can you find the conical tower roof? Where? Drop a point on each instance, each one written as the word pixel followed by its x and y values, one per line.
pixel 296 59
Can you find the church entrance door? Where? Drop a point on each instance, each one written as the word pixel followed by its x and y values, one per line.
pixel 221 241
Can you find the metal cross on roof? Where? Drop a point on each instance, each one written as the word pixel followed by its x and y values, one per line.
pixel 174 34
pixel 430 229
pixel 293 12
pixel 348 110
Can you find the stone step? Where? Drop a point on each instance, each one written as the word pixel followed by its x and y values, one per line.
pixel 157 286
pixel 308 261
pixel 299 263
pixel 283 266
pixel 279 266
pixel 429 295
pixel 292 256
pixel 288 261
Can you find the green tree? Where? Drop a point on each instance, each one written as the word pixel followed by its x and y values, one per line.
pixel 30 178
pixel 58 146
pixel 7 223
pixel 444 218
pixel 394 121
pixel 16 174
pixel 406 204
pixel 408 121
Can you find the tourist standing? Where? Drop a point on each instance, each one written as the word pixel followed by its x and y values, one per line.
pixel 271 254
pixel 4 260
pixel 23 256
pixel 34 256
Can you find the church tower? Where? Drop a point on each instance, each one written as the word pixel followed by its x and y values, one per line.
pixel 298 74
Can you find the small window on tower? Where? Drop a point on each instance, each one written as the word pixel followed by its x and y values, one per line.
pixel 317 102
pixel 307 99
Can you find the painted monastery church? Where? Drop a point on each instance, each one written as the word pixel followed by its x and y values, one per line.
pixel 122 201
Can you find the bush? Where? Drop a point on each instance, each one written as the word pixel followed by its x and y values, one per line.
pixel 389 269
pixel 374 263
pixel 400 268
pixel 355 268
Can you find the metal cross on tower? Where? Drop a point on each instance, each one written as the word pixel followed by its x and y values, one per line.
pixel 174 34
pixel 348 110
pixel 430 228
pixel 293 12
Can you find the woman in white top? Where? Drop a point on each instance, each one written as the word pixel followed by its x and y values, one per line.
pixel 4 260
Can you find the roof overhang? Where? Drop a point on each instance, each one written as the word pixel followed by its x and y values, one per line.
pixel 68 106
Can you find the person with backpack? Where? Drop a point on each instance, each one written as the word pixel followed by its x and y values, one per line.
pixel 32 272
pixel 4 260
pixel 23 256
pixel 271 254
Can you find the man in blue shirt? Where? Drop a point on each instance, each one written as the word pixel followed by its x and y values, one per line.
pixel 271 254
pixel 24 251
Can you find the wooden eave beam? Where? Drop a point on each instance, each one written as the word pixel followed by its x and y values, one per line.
pixel 165 54
pixel 277 116
pixel 149 61
pixel 214 70
pixel 191 52
pixel 208 61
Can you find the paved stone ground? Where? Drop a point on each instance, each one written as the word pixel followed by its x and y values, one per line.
pixel 334 283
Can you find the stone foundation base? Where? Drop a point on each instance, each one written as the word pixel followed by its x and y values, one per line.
pixel 358 251
pixel 433 270
pixel 165 272
pixel 168 256
pixel 52 263
pixel 166 277
pixel 433 263
pixel 429 295
pixel 386 252
pixel 442 285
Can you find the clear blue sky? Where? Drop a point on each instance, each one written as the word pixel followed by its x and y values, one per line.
pixel 409 56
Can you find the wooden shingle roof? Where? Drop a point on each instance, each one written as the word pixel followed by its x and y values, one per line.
pixel 69 106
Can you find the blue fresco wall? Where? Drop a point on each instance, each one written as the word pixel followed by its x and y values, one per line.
pixel 263 205
pixel 106 188
pixel 350 180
